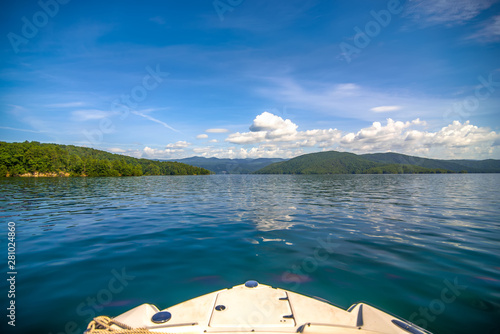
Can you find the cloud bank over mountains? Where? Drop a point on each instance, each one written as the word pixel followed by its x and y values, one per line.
pixel 270 135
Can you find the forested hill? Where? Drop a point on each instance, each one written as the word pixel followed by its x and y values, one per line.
pixel 36 159
pixel 321 163
pixel 384 163
pixel 470 166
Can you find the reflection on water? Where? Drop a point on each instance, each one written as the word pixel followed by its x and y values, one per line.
pixel 274 218
pixel 390 240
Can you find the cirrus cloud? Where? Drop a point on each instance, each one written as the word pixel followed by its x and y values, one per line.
pixel 91 114
pixel 488 32
pixel 448 12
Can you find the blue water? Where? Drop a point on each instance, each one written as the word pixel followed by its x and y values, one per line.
pixel 423 247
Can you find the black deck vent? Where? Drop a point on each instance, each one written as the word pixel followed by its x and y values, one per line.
pixel 359 321
pixel 407 327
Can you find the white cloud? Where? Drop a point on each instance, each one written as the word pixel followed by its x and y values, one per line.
pixel 457 135
pixel 153 153
pixel 116 150
pixel 266 127
pixel 456 140
pixel 246 137
pixel 262 151
pixel 448 12
pixel 217 130
pixel 377 137
pixel 274 126
pixel 179 144
pixel 172 150
pixel 202 136
pixel 213 141
pixel 269 128
pixel 385 108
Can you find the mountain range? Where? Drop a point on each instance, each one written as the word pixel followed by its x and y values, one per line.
pixel 333 162
pixel 470 166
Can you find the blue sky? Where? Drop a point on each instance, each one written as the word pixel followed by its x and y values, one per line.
pixel 252 78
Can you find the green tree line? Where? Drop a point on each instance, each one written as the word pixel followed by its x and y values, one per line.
pixel 33 157
pixel 333 162
pixel 405 169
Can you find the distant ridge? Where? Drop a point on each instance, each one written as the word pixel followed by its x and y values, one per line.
pixel 470 166
pixel 334 162
pixel 38 159
pixel 229 166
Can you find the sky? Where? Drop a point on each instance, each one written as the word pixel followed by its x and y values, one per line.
pixel 253 78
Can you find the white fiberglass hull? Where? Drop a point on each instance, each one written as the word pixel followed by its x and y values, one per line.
pixel 258 308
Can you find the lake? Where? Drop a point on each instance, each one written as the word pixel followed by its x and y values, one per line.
pixel 423 247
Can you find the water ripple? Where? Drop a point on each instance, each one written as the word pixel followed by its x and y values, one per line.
pixel 394 241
